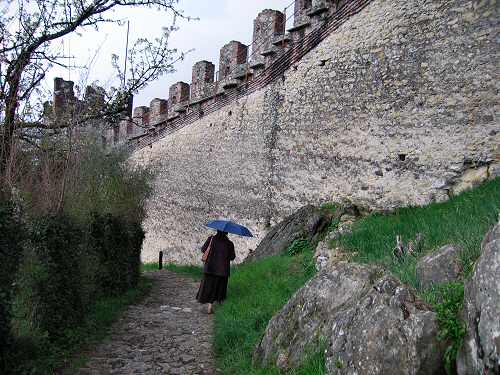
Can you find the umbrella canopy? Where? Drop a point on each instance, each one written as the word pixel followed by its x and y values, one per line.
pixel 230 227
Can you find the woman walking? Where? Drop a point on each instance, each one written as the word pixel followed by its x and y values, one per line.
pixel 216 271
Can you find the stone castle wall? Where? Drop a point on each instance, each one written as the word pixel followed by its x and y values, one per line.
pixel 391 109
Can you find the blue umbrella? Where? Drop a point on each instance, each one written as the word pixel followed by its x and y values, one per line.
pixel 230 227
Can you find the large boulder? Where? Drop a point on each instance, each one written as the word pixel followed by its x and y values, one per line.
pixel 372 324
pixel 480 352
pixel 306 223
pixel 441 266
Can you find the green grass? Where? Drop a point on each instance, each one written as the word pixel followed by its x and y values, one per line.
pixel 298 247
pixel 149 267
pixel 463 221
pixel 256 292
pixel 447 300
pixel 195 272
pixel 37 355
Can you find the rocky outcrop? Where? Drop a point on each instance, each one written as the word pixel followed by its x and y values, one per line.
pixel 480 352
pixel 306 223
pixel 372 324
pixel 442 266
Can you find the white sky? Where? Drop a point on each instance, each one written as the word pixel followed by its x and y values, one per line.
pixel 220 21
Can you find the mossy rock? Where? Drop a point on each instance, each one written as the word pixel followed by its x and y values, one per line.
pixel 308 223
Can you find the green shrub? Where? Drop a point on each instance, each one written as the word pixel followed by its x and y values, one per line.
pixel 66 268
pixel 106 182
pixel 49 298
pixel 11 237
pixel 83 213
pixel 332 207
pixel 117 243
pixel 90 272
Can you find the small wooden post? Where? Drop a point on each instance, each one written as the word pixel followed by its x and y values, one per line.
pixel 160 261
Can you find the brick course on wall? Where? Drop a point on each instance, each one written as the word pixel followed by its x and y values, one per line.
pixel 390 110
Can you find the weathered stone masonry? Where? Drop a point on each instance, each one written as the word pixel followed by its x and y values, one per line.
pixel 392 109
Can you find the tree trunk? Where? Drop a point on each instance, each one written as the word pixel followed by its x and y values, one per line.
pixel 9 125
pixel 7 140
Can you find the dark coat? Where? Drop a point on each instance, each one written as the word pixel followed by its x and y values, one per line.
pixel 221 254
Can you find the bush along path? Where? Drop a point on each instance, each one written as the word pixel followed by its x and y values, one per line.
pixel 168 333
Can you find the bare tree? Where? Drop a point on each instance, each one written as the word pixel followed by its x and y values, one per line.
pixel 28 31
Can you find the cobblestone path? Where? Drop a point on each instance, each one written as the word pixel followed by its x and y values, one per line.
pixel 168 333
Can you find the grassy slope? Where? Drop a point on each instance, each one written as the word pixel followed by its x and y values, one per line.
pixel 463 220
pixel 256 292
